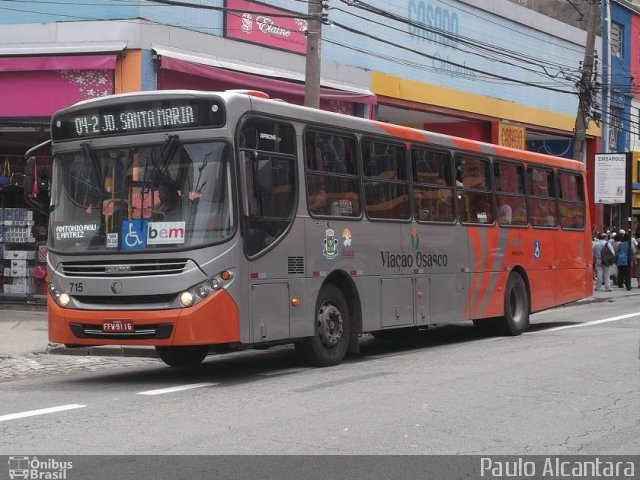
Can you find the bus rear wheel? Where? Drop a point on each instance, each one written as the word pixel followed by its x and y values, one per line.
pixel 332 329
pixel 516 307
pixel 182 357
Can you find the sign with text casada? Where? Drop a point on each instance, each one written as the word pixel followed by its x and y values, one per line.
pixel 267 26
pixel 610 178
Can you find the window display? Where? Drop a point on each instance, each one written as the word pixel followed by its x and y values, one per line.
pixel 23 251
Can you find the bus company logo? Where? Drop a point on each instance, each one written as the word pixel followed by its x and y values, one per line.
pixel 346 250
pixel 330 244
pixel 346 237
pixel 36 469
pixel 163 233
pixel 415 240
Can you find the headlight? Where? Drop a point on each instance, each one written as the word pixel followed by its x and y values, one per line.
pixel 64 299
pixel 187 299
pixel 61 298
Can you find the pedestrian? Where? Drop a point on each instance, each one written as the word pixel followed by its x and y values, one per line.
pixel 602 271
pixel 623 255
pixel 636 259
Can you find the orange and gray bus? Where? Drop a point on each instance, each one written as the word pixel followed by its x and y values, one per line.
pixel 202 221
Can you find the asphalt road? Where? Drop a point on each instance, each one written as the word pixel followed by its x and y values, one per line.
pixel 569 386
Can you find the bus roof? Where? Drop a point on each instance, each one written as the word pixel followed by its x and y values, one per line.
pixel 260 102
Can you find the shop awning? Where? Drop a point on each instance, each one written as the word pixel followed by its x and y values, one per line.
pixel 35 86
pixel 72 62
pixel 261 77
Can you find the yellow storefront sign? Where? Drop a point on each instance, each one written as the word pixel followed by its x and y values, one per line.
pixel 511 136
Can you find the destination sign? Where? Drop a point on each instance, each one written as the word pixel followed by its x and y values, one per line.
pixel 139 117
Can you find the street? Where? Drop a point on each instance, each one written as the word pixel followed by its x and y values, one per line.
pixel 569 386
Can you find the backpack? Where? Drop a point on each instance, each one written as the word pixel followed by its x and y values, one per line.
pixel 607 257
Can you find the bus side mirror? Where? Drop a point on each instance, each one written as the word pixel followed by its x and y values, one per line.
pixel 264 177
pixel 29 175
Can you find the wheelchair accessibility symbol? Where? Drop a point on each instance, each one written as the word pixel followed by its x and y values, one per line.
pixel 536 249
pixel 134 234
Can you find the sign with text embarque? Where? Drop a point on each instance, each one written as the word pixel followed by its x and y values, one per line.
pixel 610 174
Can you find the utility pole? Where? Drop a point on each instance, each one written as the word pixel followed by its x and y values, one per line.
pixel 606 86
pixel 585 93
pixel 312 67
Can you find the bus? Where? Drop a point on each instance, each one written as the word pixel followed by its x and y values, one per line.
pixel 294 225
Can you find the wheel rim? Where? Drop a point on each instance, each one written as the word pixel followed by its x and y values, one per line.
pixel 516 304
pixel 330 325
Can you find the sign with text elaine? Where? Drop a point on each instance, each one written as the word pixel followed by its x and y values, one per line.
pixel 256 23
pixel 610 175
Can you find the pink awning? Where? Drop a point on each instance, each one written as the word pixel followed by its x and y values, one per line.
pixel 39 86
pixel 69 62
pixel 261 83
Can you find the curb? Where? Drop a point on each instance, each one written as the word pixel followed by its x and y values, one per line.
pixel 110 351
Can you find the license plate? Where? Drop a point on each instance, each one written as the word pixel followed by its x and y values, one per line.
pixel 118 326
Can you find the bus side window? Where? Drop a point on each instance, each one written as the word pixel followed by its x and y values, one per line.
pixel 386 187
pixel 333 186
pixel 433 185
pixel 542 200
pixel 475 202
pixel 510 193
pixel 572 210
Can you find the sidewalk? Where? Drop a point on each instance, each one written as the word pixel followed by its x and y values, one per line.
pixel 23 330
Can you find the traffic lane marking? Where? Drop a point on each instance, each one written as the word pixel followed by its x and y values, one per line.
pixel 179 388
pixel 588 324
pixel 284 371
pixel 42 411
pixel 575 325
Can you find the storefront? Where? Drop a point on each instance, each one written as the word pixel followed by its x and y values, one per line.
pixel 189 70
pixel 31 89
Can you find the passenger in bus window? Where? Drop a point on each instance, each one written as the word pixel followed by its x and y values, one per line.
pixel 317 197
pixel 505 214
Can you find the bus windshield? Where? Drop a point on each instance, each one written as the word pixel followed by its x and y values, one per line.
pixel 156 197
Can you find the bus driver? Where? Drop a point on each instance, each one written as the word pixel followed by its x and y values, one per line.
pixel 169 208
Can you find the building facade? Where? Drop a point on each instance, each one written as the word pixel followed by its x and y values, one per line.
pixel 492 71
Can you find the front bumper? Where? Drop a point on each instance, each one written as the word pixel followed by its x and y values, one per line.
pixel 213 321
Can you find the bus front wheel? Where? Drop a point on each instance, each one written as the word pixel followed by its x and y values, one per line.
pixel 332 329
pixel 516 306
pixel 190 356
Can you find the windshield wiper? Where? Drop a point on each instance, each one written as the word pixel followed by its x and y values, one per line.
pixel 99 187
pixel 169 148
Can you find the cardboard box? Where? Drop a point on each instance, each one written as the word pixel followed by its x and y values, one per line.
pixel 19 254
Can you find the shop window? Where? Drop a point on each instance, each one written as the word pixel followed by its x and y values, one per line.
pixel 617 37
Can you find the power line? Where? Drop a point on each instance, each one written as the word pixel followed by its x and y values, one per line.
pixel 449 62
